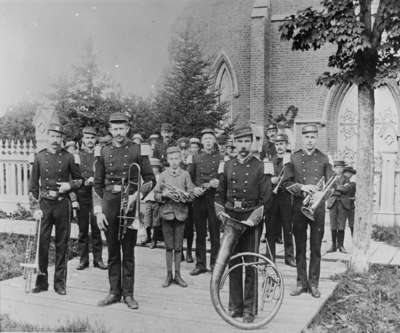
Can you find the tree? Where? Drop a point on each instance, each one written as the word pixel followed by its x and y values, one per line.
pixel 188 98
pixel 367 55
pixel 17 121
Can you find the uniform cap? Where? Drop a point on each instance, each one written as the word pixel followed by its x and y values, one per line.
pixel 208 131
pixel 70 144
pixel 154 137
pixel 339 163
pixel 183 143
pixel 309 129
pixel 155 162
pixel 55 128
pixel 242 131
pixel 118 117
pixel 89 130
pixel 167 127
pixel 195 140
pixel 171 150
pixel 350 169
pixel 272 127
pixel 282 137
pixel 137 136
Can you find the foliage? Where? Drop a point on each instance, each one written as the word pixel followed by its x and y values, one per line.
pixel 363 54
pixel 72 325
pixel 188 98
pixel 389 235
pixel 16 123
pixel 368 302
pixel 21 213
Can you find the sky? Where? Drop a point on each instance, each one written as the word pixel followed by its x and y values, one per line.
pixel 41 40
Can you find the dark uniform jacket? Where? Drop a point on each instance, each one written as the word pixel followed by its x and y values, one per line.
pixel 277 163
pixel 308 169
pixel 268 150
pixel 244 186
pixel 87 170
pixel 51 169
pixel 113 165
pixel 204 167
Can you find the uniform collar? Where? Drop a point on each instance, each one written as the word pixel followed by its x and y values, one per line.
pixel 315 150
pixel 174 173
pixel 244 160
pixel 122 145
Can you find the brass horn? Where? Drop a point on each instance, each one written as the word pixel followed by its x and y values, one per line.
pixel 269 281
pixel 312 200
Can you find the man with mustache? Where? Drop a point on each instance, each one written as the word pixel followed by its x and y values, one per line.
pixel 54 174
pixel 244 187
pixel 167 141
pixel 111 171
pixel 85 213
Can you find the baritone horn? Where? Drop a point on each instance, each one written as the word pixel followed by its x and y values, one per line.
pixel 31 261
pixel 312 200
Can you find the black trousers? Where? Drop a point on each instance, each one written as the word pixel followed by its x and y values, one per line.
pixel 121 271
pixel 337 216
pixel 243 298
pixel 203 212
pixel 56 213
pixel 300 225
pixel 86 218
pixel 281 217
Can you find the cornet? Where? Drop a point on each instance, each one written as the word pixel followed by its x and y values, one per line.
pixel 313 200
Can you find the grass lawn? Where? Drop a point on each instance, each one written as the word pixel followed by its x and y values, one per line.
pixel 363 303
pixel 12 253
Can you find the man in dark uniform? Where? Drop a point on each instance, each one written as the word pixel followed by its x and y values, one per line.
pixel 85 213
pixel 308 165
pixel 350 196
pixel 243 188
pixel 337 212
pixel 281 213
pixel 204 174
pixel 195 146
pixel 167 141
pixel 268 148
pixel 54 174
pixel 111 171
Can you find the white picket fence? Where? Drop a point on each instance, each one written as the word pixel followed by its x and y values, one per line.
pixel 15 158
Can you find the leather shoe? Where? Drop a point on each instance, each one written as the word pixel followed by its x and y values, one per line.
pixel 197 271
pixel 39 289
pixel 315 292
pixel 179 281
pixel 60 291
pixel 331 249
pixel 290 262
pixel 168 280
pixel 100 265
pixel 248 318
pixel 298 291
pixel 236 314
pixel 110 299
pixel 189 257
pixel 82 265
pixel 131 302
pixel 342 249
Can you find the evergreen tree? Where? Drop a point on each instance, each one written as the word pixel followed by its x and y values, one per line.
pixel 188 98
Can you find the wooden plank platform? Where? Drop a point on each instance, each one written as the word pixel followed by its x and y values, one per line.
pixel 172 309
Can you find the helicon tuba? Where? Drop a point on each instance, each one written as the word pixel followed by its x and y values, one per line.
pixel 312 200
pixel 269 281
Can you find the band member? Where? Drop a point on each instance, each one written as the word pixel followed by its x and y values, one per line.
pixel 337 212
pixel 281 213
pixel 86 217
pixel 173 212
pixel 195 146
pixel 268 148
pixel 155 148
pixel 308 165
pixel 111 170
pixel 167 134
pixel 350 196
pixel 151 210
pixel 54 174
pixel 244 187
pixel 204 173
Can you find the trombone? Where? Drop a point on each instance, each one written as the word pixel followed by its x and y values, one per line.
pixel 31 262
pixel 280 179
pixel 129 222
